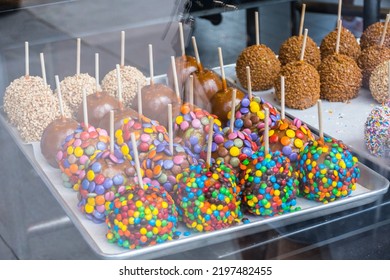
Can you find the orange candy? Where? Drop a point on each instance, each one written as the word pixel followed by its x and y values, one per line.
pixel 285 141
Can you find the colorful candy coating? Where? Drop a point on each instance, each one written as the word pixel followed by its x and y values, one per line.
pixel 107 177
pixel 229 146
pixel 192 126
pixel 269 184
pixel 289 137
pixel 148 133
pixel 377 131
pixel 250 117
pixel 141 217
pixel 78 150
pixel 161 165
pixel 208 199
pixel 328 170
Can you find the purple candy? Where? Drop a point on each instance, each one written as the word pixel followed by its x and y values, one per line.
pixel 118 180
pixel 287 150
pixel 96 167
pixel 245 102
pixel 108 183
pixel 247 143
pixel 197 149
pixel 172 179
pixel 160 148
pixel 99 189
pixel 244 111
pixel 214 147
pixel 168 164
pixel 168 186
pixel 232 135
pixel 247 151
pixel 293 157
pixel 101 146
pixel 194 140
pixel 114 158
pixel 228 144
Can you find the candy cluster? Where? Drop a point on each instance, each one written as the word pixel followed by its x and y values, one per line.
pixel 192 126
pixel 250 117
pixel 140 217
pixel 79 149
pixel 328 170
pixel 208 198
pixel 269 184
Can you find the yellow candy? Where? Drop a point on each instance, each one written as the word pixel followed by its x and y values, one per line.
pixel 109 236
pixel 255 200
pixel 338 156
pixel 125 150
pixel 254 107
pixel 323 171
pixel 303 130
pixel 250 203
pixel 258 173
pixel 91 201
pixel 148 217
pixel 271 132
pixel 261 115
pixel 199 228
pixel 213 207
pixel 89 208
pixel 342 164
pixel 193 225
pixel 164 204
pixel 131 221
pixel 148 130
pixel 179 119
pixel 209 211
pixel 215 176
pixel 136 214
pixel 324 180
pixel 143 231
pixel 130 196
pixel 120 141
pixel 217 122
pixel 155 230
pixel 118 133
pixel 234 151
pixel 69 150
pixel 308 161
pixel 155 212
pixel 276 192
pixel 219 207
pixel 124 228
pixel 76 186
pixel 78 152
pixel 158 223
pixel 138 203
pixel 298 143
pixel 90 175
pixel 325 149
pixel 268 205
pixel 290 133
pixel 355 159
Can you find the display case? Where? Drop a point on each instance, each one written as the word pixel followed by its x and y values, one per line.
pixel 39 217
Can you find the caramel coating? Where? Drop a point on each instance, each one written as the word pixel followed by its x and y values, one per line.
pixel 155 100
pixel 264 67
pixel 370 58
pixel 206 84
pixel 348 44
pixel 302 85
pixel 185 66
pixel 379 82
pixel 341 78
pixel 372 35
pixel 54 136
pixel 290 51
pixel 221 103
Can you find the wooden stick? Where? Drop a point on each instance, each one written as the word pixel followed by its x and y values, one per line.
pixel 257 32
pixel 210 141
pixel 304 45
pixel 97 72
pixel 26 59
pixel 302 19
pixel 249 82
pixel 78 56
pixel 85 110
pixel 191 92
pixel 181 35
pixel 196 51
pixel 59 96
pixel 224 85
pixel 175 80
pixel 384 30
pixel 339 10
pixel 151 68
pixel 321 129
pixel 43 69
pixel 233 112
pixel 339 27
pixel 112 140
pixel 139 100
pixel 136 158
pixel 170 128
pixel 282 97
pixel 266 132
pixel 123 48
pixel 119 81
